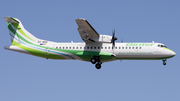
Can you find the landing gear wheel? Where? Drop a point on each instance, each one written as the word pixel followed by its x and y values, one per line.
pixel 98 66
pixel 93 61
pixel 164 62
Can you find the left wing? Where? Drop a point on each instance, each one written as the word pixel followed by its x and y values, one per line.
pixel 89 34
pixel 86 31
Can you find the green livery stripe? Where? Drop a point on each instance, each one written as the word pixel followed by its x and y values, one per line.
pixel 26 42
pixel 19 36
pixel 14 18
pixel 16 34
pixel 87 55
pixel 39 53
pixel 141 58
pixel 16 25
pixel 79 52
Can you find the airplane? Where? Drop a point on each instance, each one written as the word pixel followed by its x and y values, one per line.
pixel 96 48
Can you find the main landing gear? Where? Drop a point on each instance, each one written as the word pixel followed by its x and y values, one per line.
pixel 96 60
pixel 164 62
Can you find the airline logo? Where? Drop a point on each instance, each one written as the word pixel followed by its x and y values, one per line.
pixel 43 44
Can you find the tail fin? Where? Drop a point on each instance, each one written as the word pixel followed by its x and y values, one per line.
pixel 18 34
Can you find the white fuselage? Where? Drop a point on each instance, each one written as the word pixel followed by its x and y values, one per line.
pixel 121 50
pixel 130 51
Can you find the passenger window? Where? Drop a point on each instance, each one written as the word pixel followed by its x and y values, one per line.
pixel 129 47
pixel 66 47
pixel 98 47
pixel 105 47
pixel 132 47
pixel 91 47
pixel 122 47
pixel 63 47
pixel 136 47
pixel 56 47
pixel 139 47
pixel 87 47
pixel 119 47
pixel 126 47
pixel 59 47
pixel 94 47
pixel 80 47
pixel 109 48
pixel 76 47
pixel 101 47
pixel 115 47
pixel 69 47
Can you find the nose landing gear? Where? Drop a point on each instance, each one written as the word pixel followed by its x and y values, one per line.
pixel 164 62
pixel 96 60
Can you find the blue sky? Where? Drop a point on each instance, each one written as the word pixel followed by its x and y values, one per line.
pixel 26 78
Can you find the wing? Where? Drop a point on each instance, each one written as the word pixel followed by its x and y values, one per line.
pixel 86 31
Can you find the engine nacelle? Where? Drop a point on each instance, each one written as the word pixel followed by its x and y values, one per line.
pixel 103 39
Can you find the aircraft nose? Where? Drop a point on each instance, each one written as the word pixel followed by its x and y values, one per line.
pixel 172 53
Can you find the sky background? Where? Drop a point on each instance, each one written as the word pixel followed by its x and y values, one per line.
pixel 28 78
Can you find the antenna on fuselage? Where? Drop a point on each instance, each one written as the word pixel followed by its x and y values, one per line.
pixel 121 40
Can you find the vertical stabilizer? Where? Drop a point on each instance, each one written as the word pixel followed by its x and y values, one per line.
pixel 18 34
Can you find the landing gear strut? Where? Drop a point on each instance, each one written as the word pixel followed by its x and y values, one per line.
pixel 96 59
pixel 164 62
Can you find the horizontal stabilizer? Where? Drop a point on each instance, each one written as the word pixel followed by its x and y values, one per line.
pixel 11 20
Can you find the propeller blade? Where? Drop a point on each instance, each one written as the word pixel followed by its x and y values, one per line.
pixel 113 39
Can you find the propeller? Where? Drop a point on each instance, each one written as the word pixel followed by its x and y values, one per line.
pixel 113 39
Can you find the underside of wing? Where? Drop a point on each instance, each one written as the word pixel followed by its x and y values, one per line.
pixel 86 31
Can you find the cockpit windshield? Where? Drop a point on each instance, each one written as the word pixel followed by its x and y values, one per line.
pixel 160 45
